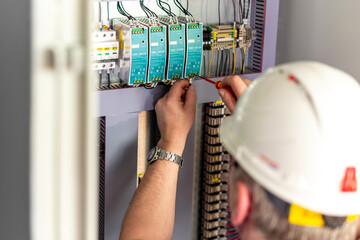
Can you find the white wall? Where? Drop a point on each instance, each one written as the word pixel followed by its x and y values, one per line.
pixel 321 30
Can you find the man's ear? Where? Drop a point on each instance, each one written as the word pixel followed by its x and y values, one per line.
pixel 243 203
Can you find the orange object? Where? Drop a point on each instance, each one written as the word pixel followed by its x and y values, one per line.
pixel 217 84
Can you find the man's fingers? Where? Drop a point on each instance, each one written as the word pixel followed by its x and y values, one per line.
pixel 190 99
pixel 237 84
pixel 246 81
pixel 176 90
pixel 228 98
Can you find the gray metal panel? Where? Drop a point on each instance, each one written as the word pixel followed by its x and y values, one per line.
pixel 15 118
pixel 120 176
pixel 128 100
pixel 183 210
pixel 270 35
pixel 120 170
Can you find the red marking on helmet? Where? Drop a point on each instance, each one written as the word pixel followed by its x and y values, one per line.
pixel 349 182
pixel 293 79
pixel 269 162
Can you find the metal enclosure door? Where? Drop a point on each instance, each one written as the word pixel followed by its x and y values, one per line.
pixel 64 163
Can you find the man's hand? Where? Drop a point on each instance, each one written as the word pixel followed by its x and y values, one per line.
pixel 151 214
pixel 238 86
pixel 175 113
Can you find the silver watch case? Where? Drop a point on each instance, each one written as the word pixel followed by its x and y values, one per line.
pixel 161 154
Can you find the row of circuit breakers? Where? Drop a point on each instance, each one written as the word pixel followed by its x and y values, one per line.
pixel 164 49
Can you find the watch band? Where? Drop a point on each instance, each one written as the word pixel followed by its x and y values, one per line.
pixel 161 154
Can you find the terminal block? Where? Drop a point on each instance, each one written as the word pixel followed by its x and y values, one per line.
pixel 222 36
pixel 133 54
pixel 245 36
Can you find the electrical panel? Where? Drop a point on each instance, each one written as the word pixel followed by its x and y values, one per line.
pixel 165 48
pixel 144 48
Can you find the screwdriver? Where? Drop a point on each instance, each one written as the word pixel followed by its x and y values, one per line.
pixel 217 84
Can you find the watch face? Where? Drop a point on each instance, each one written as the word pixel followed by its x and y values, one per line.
pixel 151 154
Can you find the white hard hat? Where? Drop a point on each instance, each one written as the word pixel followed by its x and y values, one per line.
pixel 296 131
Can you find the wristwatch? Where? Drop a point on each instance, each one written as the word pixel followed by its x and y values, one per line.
pixel 161 154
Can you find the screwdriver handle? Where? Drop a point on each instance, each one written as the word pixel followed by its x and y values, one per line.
pixel 219 85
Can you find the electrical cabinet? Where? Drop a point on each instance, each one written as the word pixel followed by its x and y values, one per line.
pixel 153 53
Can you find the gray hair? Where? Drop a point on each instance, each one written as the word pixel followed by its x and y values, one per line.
pixel 274 225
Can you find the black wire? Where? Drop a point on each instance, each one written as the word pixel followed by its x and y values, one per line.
pixel 219 11
pixel 167 11
pixel 126 11
pixel 147 10
pixel 148 87
pixel 187 5
pixel 100 80
pixel 234 6
pixel 123 12
pixel 150 11
pixel 243 10
pixel 142 7
pixel 248 10
pixel 172 14
pixel 185 11
pixel 109 80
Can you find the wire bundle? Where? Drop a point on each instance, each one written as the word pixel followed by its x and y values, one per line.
pixel 123 12
pixel 244 12
pixel 166 10
pixel 146 10
pixel 182 9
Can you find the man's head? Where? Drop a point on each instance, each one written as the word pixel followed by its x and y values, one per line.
pixel 294 134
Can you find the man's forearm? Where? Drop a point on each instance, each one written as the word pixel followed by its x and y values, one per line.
pixel 151 213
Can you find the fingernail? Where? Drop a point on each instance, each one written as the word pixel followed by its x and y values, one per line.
pixel 221 93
